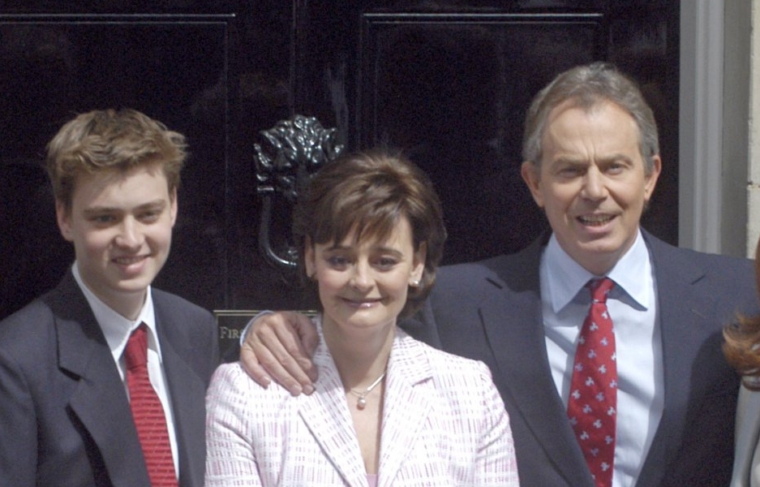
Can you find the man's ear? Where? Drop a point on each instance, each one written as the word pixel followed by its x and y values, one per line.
pixel 651 178
pixel 173 206
pixel 531 174
pixel 63 217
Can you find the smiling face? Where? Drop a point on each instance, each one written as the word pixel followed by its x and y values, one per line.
pixel 121 226
pixel 364 285
pixel 592 183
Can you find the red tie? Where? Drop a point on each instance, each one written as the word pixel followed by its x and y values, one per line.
pixel 592 406
pixel 148 412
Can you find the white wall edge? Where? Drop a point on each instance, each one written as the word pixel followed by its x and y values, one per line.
pixel 700 125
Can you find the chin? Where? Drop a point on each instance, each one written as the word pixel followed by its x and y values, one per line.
pixel 607 242
pixel 365 321
pixel 134 285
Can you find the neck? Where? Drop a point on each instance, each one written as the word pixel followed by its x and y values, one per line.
pixel 128 306
pixel 360 358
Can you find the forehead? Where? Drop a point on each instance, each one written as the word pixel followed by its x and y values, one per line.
pixel 602 127
pixel 389 234
pixel 145 181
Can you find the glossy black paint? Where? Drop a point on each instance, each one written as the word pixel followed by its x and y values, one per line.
pixel 447 83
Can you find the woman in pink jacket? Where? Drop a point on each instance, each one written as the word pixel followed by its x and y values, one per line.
pixel 387 410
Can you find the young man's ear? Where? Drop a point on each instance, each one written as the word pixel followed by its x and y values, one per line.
pixel 63 217
pixel 173 208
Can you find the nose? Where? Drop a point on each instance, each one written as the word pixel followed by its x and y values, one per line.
pixel 594 187
pixel 360 278
pixel 130 235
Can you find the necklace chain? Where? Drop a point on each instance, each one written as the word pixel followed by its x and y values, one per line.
pixel 361 402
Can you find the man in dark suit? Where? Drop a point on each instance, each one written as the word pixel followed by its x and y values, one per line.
pixel 68 409
pixel 592 163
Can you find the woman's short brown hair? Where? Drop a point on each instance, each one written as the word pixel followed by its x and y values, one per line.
pixel 368 192
pixel 106 140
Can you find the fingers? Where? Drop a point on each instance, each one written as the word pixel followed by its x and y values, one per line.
pixel 308 341
pixel 273 351
pixel 252 367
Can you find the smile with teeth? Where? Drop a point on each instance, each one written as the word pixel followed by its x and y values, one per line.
pixel 595 220
pixel 362 303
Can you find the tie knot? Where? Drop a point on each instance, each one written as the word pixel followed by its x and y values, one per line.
pixel 136 353
pixel 600 288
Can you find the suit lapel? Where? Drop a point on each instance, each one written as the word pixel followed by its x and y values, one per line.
pixel 186 389
pixel 327 417
pixel 406 405
pixel 519 348
pixel 685 314
pixel 100 400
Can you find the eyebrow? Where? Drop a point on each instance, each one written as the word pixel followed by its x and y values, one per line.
pixel 157 204
pixel 378 248
pixel 583 160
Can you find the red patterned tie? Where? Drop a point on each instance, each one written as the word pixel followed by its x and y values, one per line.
pixel 148 412
pixel 592 406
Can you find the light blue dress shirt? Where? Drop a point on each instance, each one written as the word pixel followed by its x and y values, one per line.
pixel 632 305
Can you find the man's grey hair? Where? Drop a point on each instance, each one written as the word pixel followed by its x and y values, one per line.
pixel 586 87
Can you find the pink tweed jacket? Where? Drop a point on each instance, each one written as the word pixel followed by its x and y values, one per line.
pixel 444 424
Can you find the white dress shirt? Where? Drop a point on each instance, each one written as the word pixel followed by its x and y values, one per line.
pixel 632 305
pixel 117 330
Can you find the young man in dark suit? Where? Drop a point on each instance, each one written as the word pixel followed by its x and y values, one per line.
pixel 71 408
pixel 592 163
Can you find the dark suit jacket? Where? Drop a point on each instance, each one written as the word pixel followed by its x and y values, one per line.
pixel 64 413
pixel 491 311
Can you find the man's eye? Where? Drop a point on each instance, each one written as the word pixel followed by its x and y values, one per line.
pixel 615 168
pixel 102 219
pixel 150 215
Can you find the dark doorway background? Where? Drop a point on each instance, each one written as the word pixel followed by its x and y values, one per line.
pixel 446 82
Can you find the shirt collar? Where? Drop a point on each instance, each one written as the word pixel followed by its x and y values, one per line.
pixel 632 274
pixel 115 327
